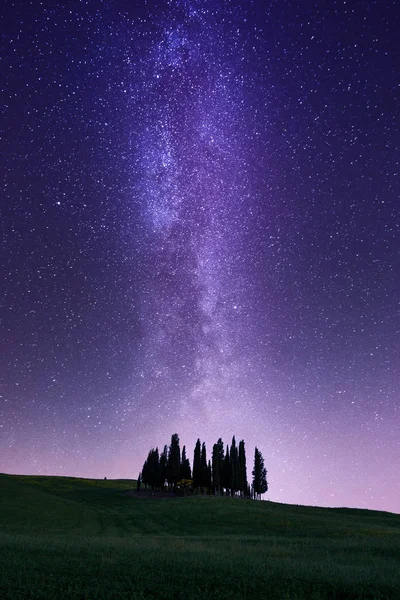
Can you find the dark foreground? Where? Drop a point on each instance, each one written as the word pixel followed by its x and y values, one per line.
pixel 67 538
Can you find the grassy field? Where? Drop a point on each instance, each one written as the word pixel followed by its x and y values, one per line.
pixel 85 539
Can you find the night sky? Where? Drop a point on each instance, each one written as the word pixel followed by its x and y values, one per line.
pixel 200 233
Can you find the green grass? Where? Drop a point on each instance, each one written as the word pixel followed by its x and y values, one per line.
pixel 84 539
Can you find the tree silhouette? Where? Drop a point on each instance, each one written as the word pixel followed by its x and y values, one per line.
pixel 203 468
pixel 234 467
pixel 260 485
pixel 163 468
pixel 197 465
pixel 174 461
pixel 186 472
pixel 150 471
pixel 209 477
pixel 242 470
pixel 217 466
pixel 226 471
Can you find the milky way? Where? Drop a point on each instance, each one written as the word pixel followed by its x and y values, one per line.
pixel 201 235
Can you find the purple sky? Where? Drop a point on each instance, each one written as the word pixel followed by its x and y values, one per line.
pixel 200 227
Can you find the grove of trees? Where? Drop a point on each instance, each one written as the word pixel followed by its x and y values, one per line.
pixel 224 474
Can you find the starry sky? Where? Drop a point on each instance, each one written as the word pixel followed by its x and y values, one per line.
pixel 200 233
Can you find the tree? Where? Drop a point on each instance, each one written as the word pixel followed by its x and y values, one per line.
pixel 155 469
pixel 217 466
pixel 242 469
pixel 203 467
pixel 209 477
pixel 197 465
pixel 226 471
pixel 174 461
pixel 234 467
pixel 150 470
pixel 260 485
pixel 139 482
pixel 186 472
pixel 163 468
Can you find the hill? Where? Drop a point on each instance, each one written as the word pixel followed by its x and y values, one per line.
pixel 73 538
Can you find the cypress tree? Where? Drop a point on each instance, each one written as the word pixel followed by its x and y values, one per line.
pixel 154 469
pixel 216 476
pixel 217 466
pixel 144 474
pixel 209 477
pixel 150 470
pixel 197 465
pixel 260 484
pixel 216 471
pixel 256 473
pixel 174 461
pixel 264 482
pixel 186 472
pixel 139 482
pixel 226 471
pixel 147 469
pixel 188 469
pixel 242 469
pixel 203 467
pixel 234 467
pixel 163 468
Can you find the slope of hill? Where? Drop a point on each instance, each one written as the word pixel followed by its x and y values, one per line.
pixel 80 538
